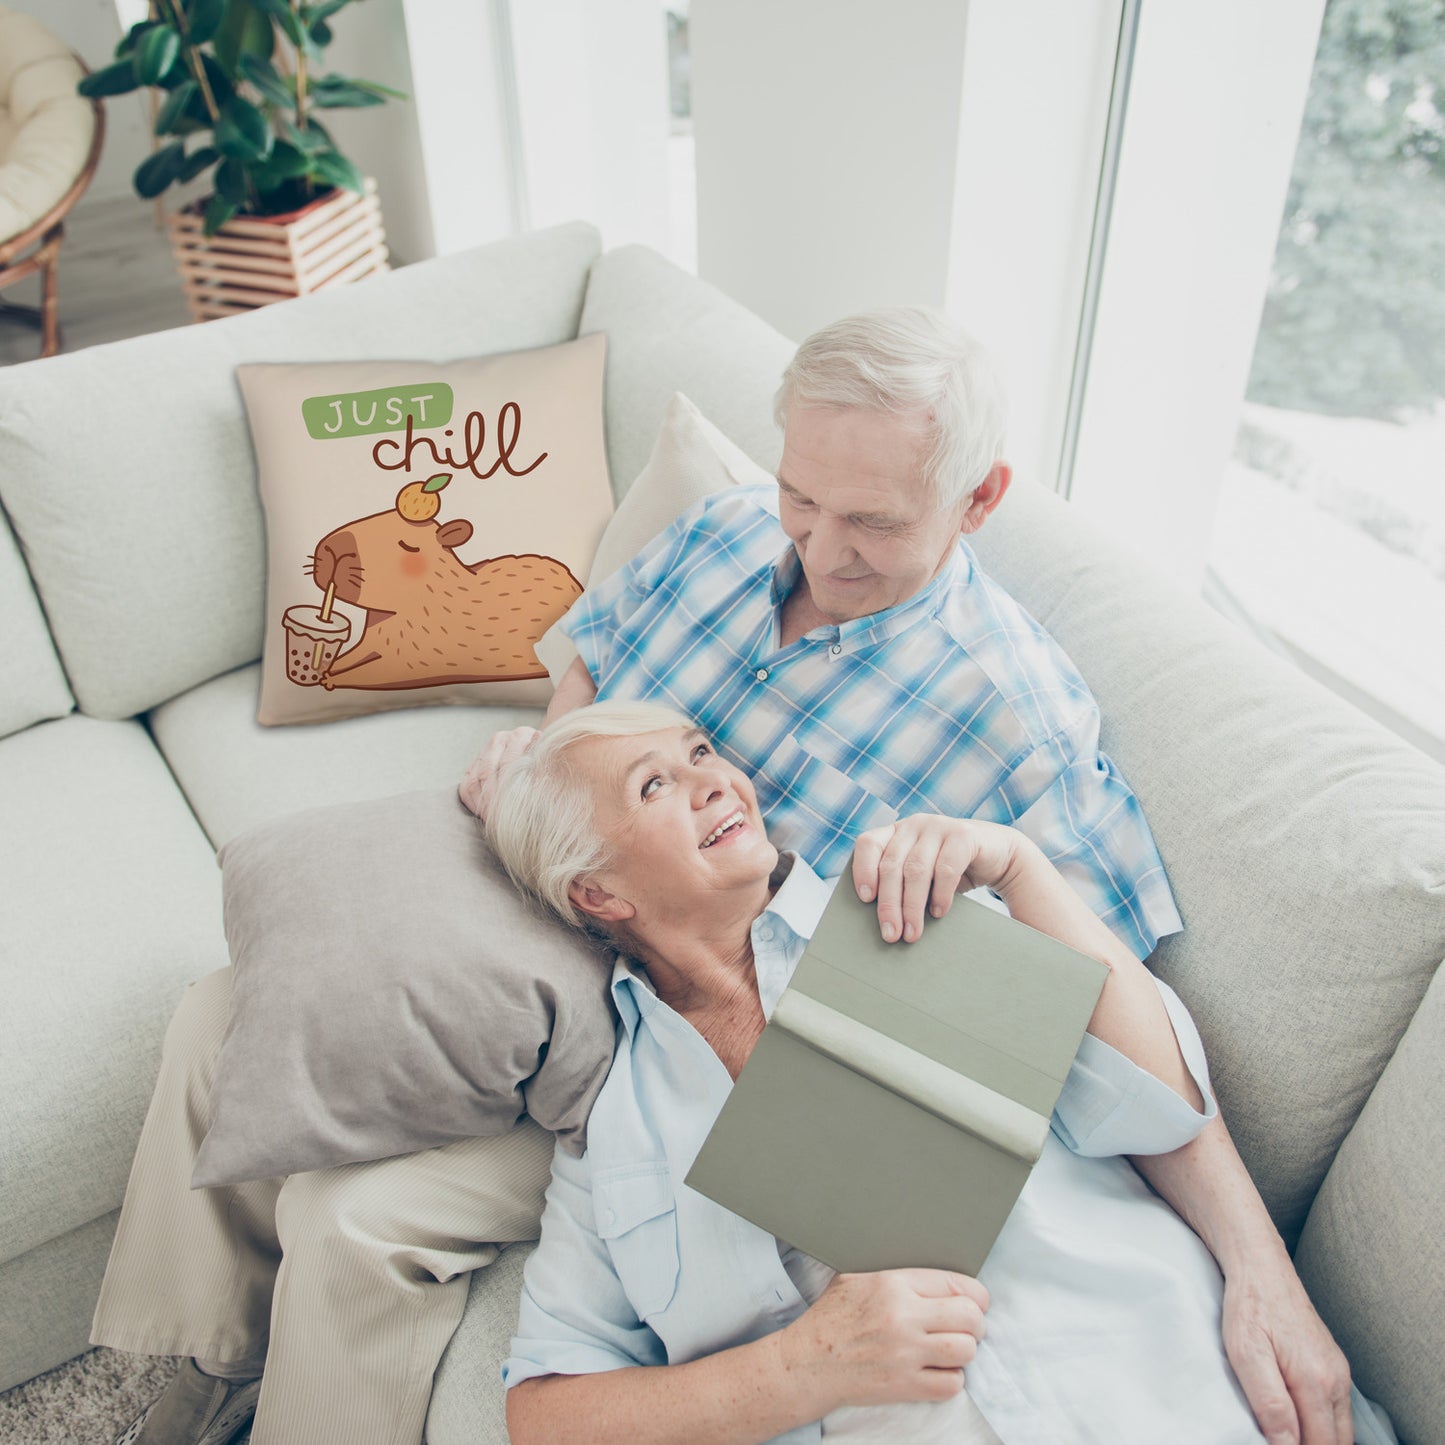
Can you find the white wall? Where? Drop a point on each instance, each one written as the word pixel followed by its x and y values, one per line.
pixel 1036 83
pixel 593 113
pixel 827 145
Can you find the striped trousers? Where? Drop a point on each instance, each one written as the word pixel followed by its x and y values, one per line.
pixel 348 1281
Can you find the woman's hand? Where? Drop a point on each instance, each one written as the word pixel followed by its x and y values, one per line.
pixel 918 864
pixel 900 1334
pixel 475 788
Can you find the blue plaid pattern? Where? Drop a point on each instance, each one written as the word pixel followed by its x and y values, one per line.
pixel 955 702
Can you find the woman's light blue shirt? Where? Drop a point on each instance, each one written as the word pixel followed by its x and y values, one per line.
pixel 634 1268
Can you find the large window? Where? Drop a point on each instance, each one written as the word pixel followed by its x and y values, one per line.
pixel 1330 528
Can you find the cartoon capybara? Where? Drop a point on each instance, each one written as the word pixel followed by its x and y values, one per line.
pixel 430 618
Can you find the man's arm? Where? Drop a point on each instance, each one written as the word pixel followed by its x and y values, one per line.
pixel 1295 1377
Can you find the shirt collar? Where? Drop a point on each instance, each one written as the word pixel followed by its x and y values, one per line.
pixel 780 933
pixel 879 626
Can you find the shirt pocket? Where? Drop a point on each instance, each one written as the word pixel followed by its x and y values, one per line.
pixel 818 810
pixel 636 1212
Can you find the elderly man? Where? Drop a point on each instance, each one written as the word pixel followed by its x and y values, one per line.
pixel 837 640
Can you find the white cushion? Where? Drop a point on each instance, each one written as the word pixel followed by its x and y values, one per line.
pixel 111 904
pixel 32 684
pixel 150 559
pixel 669 332
pixel 236 773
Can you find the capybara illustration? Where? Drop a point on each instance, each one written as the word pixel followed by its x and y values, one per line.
pixel 430 618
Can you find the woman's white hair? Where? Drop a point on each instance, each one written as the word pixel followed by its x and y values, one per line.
pixel 908 360
pixel 542 820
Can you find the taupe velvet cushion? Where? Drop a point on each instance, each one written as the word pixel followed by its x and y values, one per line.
pixel 393 993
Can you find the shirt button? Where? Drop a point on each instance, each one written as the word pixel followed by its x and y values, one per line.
pixel 761 674
pixel 836 648
pixel 765 933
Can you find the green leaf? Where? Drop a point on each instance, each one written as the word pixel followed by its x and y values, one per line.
pixel 203 19
pixel 157 171
pixel 158 50
pixel 222 85
pixel 324 11
pixel 333 168
pixel 285 17
pixel 319 33
pixel 244 31
pixel 333 92
pixel 313 140
pixel 436 483
pixel 278 89
pixel 377 88
pixel 218 212
pixel 117 79
pixel 287 163
pixel 131 38
pixel 197 161
pixel 231 182
pixel 174 108
pixel 242 132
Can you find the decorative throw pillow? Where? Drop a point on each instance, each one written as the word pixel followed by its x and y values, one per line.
pixel 691 459
pixel 425 524
pixel 393 992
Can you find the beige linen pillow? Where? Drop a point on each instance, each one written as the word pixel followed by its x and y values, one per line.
pixel 393 992
pixel 691 459
pixel 425 525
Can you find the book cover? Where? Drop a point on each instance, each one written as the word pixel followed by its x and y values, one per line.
pixel 900 1094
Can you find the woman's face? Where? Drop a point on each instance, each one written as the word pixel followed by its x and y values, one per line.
pixel 682 824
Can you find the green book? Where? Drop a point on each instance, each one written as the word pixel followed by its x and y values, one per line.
pixel 900 1094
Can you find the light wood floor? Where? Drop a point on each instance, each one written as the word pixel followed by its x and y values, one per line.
pixel 117 279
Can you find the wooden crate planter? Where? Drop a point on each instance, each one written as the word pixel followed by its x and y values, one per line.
pixel 255 260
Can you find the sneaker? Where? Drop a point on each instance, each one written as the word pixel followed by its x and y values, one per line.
pixel 195 1409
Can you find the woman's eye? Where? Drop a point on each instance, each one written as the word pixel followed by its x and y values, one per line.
pixel 701 750
pixel 651 785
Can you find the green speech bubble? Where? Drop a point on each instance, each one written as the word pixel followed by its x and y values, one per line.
pixel 359 413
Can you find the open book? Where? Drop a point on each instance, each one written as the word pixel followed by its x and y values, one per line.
pixel 900 1094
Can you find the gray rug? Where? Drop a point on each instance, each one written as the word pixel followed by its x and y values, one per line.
pixel 86 1402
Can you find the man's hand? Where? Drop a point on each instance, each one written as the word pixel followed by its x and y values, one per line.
pixel 916 865
pixel 1295 1377
pixel 475 788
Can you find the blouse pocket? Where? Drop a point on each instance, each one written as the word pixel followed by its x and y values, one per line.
pixel 637 1217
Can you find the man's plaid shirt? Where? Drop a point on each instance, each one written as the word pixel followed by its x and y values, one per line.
pixel 953 702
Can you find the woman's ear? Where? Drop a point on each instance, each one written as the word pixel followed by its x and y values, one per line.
pixel 596 902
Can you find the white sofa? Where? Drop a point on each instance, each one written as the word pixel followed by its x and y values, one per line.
pixel 1305 845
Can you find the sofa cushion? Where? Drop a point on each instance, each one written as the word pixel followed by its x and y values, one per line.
pixel 32 682
pixel 1301 840
pixel 426 523
pixel 669 332
pixel 111 905
pixel 1372 1254
pixel 150 560
pixel 236 773
pixel 468 1404
pixel 393 993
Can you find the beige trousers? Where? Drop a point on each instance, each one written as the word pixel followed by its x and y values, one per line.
pixel 349 1281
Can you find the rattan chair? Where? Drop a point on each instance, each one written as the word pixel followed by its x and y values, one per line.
pixel 50 139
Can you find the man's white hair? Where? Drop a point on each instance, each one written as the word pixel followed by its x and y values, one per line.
pixel 908 360
pixel 542 820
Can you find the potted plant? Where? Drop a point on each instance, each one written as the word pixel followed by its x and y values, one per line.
pixel 239 85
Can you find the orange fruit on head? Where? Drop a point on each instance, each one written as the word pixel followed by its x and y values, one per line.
pixel 418 501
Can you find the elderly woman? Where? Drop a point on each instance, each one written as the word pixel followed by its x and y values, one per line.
pixel 653 1314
